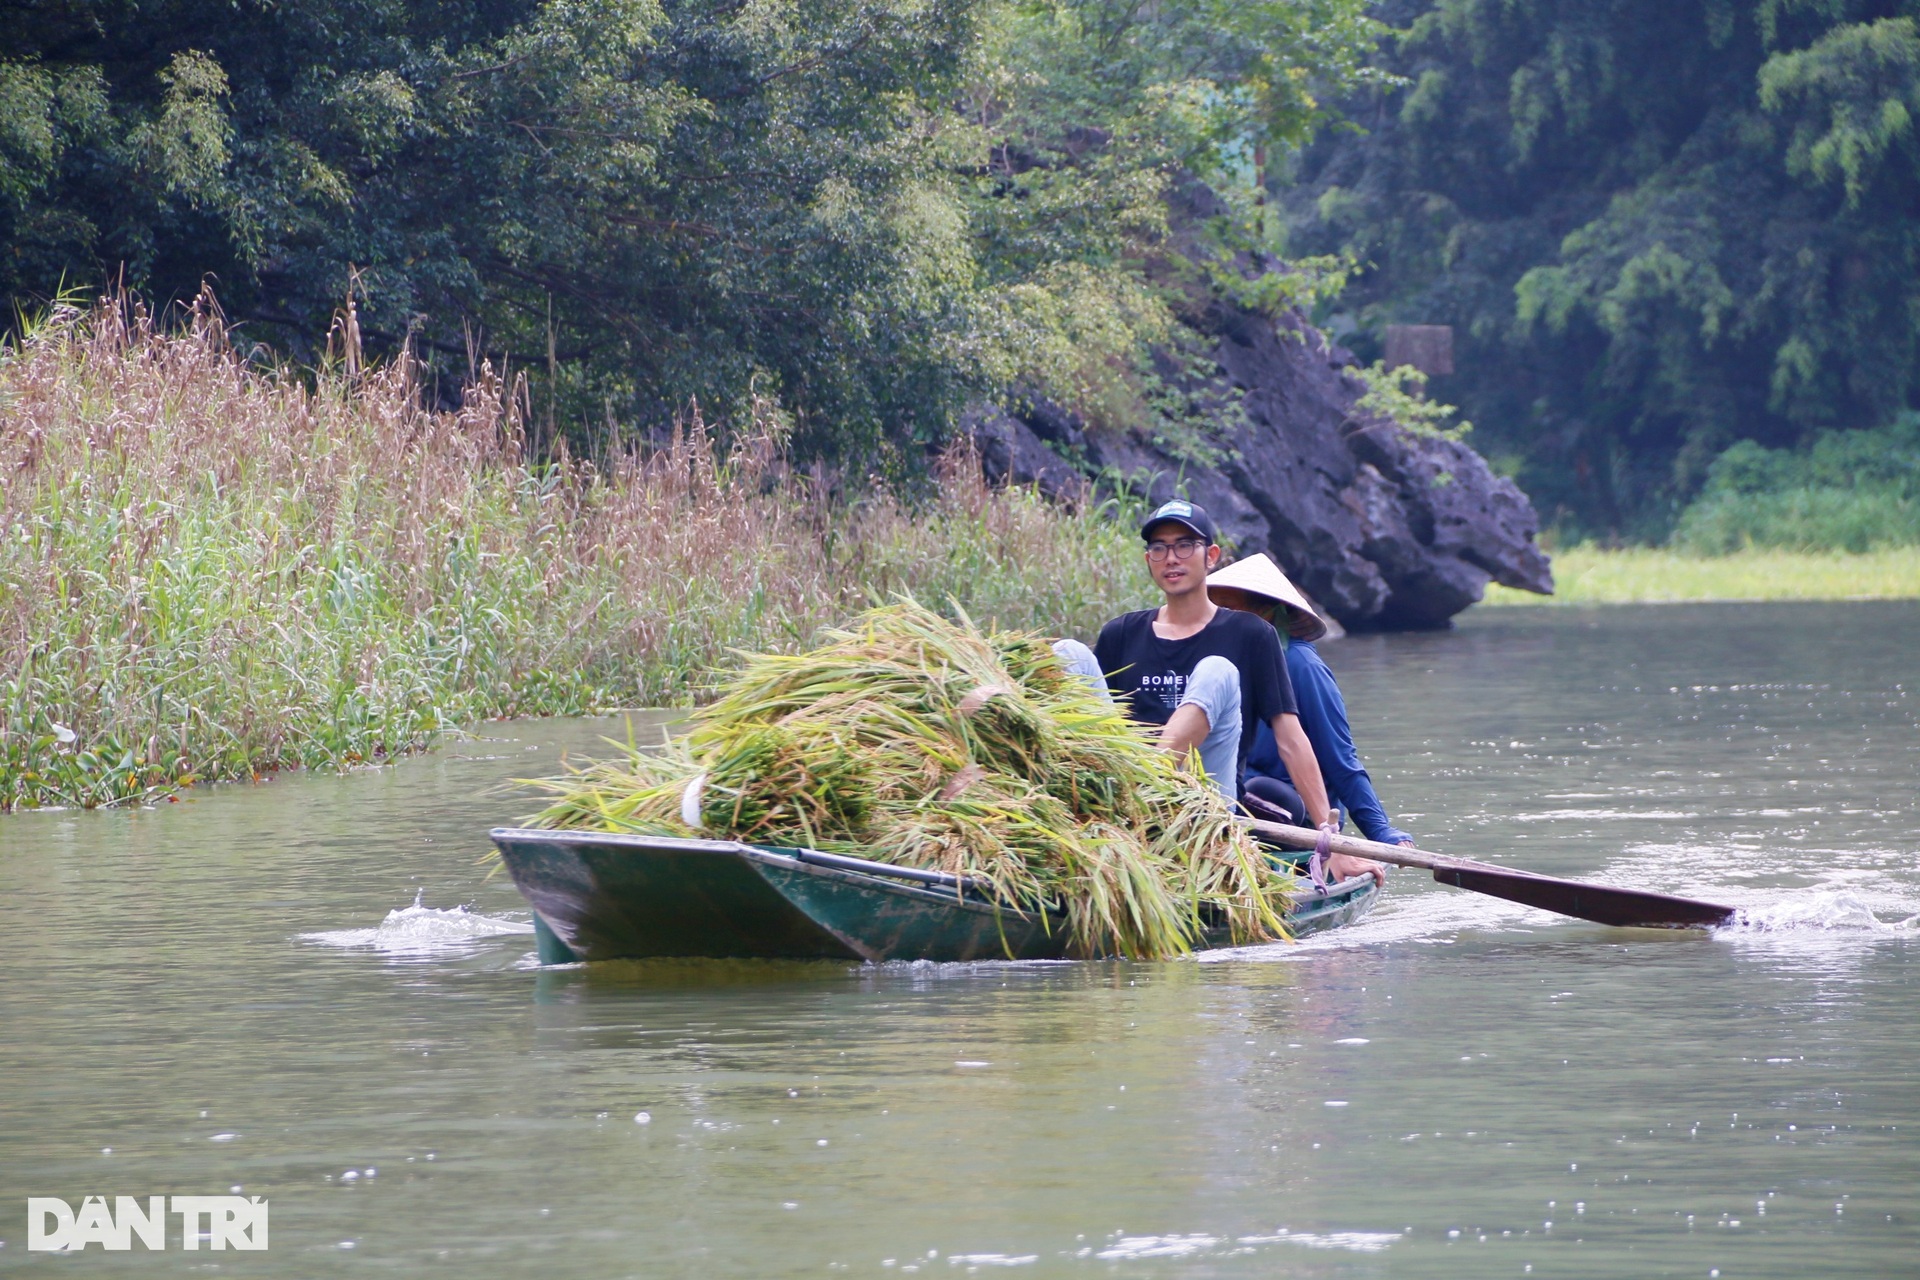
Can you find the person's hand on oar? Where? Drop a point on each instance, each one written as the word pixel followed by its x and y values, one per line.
pixel 1338 865
pixel 1344 866
pixel 1341 867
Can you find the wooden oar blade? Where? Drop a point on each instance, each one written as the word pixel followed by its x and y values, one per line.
pixel 1603 904
pixel 1600 903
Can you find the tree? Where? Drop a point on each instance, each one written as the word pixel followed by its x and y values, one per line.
pixel 871 210
pixel 646 204
pixel 1078 120
pixel 1657 229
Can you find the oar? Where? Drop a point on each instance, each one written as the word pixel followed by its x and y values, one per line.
pixel 1604 904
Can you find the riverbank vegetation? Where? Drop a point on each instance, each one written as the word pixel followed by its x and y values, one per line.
pixel 210 570
pixel 645 330
pixel 1849 491
pixel 1655 575
pixel 1836 520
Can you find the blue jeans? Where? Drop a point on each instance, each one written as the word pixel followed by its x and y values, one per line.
pixel 1213 686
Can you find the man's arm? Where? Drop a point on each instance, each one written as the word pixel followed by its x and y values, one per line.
pixel 1297 753
pixel 1323 717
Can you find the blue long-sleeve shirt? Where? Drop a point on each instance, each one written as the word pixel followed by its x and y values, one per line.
pixel 1323 714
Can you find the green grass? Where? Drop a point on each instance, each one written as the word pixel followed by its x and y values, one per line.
pixel 1642 575
pixel 209 571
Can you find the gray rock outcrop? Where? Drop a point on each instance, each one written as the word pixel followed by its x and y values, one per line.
pixel 1385 529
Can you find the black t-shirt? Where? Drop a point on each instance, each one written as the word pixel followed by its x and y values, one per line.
pixel 1148 675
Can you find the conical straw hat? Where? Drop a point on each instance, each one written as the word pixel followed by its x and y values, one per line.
pixel 1260 576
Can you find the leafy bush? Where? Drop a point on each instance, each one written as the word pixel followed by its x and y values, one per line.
pixel 1399 393
pixel 1851 491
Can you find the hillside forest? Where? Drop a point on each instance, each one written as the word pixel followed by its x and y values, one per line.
pixel 1676 243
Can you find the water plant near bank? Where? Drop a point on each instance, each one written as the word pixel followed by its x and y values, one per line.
pixel 212 570
pixel 929 743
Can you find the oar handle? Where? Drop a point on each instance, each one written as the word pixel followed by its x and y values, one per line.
pixel 1400 855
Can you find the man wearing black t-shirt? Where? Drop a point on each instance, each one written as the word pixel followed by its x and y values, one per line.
pixel 1208 675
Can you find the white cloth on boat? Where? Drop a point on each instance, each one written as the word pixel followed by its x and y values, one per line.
pixel 690 797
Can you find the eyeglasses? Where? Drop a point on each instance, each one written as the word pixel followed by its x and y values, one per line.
pixel 1182 550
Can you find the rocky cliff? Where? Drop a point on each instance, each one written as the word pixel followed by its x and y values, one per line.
pixel 1385 529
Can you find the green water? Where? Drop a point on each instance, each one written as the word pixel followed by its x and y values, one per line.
pixel 235 992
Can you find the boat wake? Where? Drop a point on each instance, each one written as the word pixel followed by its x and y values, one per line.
pixel 420 930
pixel 1125 1248
pixel 1843 902
pixel 1826 909
pixel 1131 1247
pixel 1817 895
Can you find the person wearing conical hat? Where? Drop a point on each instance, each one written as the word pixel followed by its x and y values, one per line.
pixel 1207 676
pixel 1256 585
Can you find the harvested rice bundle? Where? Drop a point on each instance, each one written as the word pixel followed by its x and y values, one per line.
pixel 921 742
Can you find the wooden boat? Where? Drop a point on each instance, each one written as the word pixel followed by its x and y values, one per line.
pixel 597 896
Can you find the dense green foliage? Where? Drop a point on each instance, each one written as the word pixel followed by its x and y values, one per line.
pixel 1848 491
pixel 868 210
pixel 1657 228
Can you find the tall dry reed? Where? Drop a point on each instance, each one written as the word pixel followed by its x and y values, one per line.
pixel 209 570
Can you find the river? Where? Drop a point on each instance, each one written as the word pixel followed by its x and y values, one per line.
pixel 239 991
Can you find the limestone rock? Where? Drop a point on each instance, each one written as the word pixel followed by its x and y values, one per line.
pixel 1010 453
pixel 1383 528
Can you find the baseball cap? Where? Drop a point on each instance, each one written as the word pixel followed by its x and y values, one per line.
pixel 1180 511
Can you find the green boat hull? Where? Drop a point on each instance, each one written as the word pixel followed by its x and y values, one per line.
pixel 602 897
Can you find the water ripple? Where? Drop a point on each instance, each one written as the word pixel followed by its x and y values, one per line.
pixel 1830 909
pixel 420 930
pixel 1129 1248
